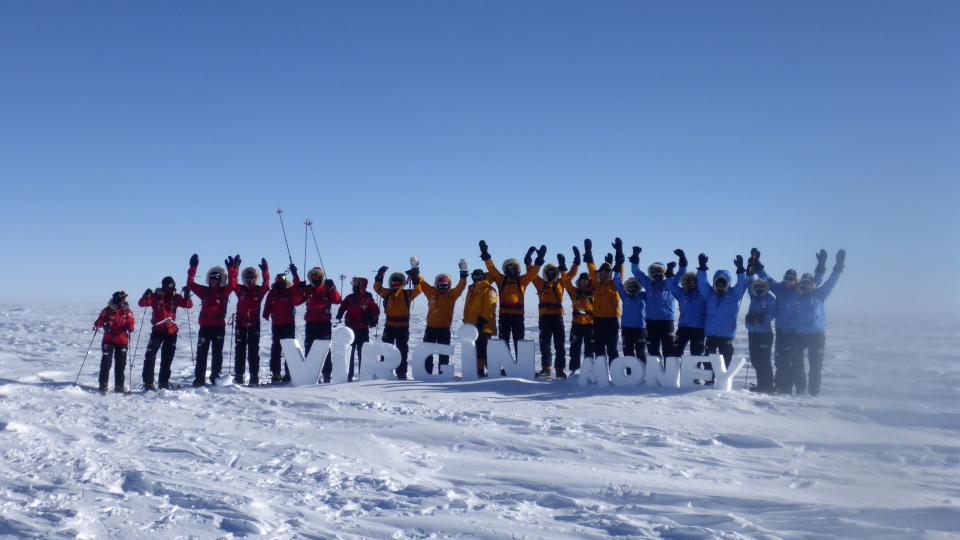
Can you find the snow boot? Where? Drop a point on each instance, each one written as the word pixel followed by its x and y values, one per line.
pixel 197 383
pixel 103 389
pixel 149 386
pixel 561 374
pixel 238 379
pixel 545 373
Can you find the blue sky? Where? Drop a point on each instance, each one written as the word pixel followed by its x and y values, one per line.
pixel 134 134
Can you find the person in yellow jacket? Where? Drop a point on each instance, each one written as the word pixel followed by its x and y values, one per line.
pixel 511 285
pixel 581 331
pixel 440 302
pixel 606 306
pixel 396 306
pixel 550 291
pixel 480 310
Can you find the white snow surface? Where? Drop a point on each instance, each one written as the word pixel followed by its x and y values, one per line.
pixel 876 456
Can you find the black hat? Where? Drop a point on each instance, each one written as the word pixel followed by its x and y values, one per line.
pixel 791 273
pixel 168 283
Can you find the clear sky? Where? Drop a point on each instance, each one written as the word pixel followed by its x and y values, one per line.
pixel 133 134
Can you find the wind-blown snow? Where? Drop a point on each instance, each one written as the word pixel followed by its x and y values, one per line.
pixel 875 456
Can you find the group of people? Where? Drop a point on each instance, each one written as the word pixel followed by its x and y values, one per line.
pixel 785 320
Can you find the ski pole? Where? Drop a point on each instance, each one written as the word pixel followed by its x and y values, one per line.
pixel 342 277
pixel 133 358
pixel 233 327
pixel 284 229
pixel 306 223
pixel 317 246
pixel 746 376
pixel 190 335
pixel 95 331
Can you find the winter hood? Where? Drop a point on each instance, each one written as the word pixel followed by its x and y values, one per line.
pixel 223 275
pixel 510 262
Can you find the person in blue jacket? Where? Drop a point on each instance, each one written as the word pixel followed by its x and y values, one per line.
pixel 723 307
pixel 633 326
pixel 659 304
pixel 785 291
pixel 810 325
pixel 760 315
pixel 693 309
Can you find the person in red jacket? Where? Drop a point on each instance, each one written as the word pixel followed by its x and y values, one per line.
pixel 320 296
pixel 163 335
pixel 117 322
pixel 362 312
pixel 247 333
pixel 280 308
pixel 214 298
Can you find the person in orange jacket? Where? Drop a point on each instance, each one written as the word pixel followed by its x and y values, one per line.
pixel 606 307
pixel 441 300
pixel 117 322
pixel 396 306
pixel 480 310
pixel 511 285
pixel 581 331
pixel 550 292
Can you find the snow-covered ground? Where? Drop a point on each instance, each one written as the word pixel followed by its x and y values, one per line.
pixel 878 455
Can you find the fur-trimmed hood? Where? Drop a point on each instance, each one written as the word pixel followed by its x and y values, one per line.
pixel 248 270
pixel 723 274
pixel 509 262
pixel 397 275
pixel 550 266
pixel 223 275
pixel 361 282
pixel 316 270
pixel 686 278
pixel 436 280
pixel 656 264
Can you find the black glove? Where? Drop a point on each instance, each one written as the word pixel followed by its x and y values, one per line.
pixel 329 284
pixel 576 256
pixel 738 262
pixel 682 256
pixel 236 260
pixel 618 251
pixel 541 254
pixel 484 254
pixel 588 251
pixel 561 262
pixel 464 274
pixel 608 259
pixel 194 260
pixel 635 258
pixel 702 259
pixel 380 273
pixel 293 270
pixel 147 293
pixel 264 267
pixel 528 258
pixel 840 259
pixel 228 262
pixel 822 261
pixel 414 273
pixel 186 292
pixel 670 266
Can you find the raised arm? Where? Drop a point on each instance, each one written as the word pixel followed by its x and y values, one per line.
pixel 825 290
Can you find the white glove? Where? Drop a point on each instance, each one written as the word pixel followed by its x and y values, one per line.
pixel 414 262
pixel 463 265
